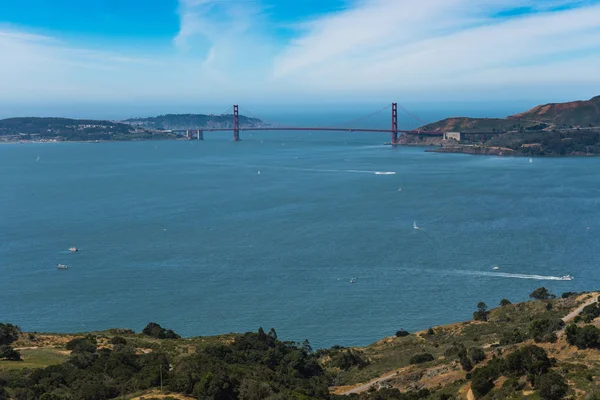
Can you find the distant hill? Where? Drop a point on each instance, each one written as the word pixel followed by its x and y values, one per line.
pixel 190 121
pixel 64 128
pixel 549 116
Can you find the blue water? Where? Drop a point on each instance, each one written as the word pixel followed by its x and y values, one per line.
pixel 190 235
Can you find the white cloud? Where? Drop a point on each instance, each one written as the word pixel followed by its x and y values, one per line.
pixel 401 45
pixel 226 51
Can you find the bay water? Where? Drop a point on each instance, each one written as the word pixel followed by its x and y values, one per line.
pixel 213 237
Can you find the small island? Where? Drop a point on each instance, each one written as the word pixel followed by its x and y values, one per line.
pixel 556 129
pixel 545 348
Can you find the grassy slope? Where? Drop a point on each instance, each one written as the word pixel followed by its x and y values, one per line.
pixel 576 113
pixel 581 367
pixel 389 355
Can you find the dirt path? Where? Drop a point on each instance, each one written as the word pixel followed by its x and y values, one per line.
pixel 578 310
pixel 365 386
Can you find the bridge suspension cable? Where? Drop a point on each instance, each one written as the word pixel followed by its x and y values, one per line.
pixel 412 115
pixel 361 118
pixel 250 114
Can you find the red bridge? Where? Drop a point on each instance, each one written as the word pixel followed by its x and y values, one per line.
pixel 394 131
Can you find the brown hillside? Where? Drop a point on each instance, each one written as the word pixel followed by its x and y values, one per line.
pixel 574 113
pixel 560 115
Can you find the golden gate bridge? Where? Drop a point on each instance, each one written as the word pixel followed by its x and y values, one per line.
pixel 236 127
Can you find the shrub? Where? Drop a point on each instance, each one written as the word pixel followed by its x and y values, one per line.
pixel 541 294
pixel 512 338
pixel 542 330
pixel 8 353
pixel 584 338
pixel 465 362
pixel 402 333
pixel 347 359
pixel 505 302
pixel 552 386
pixel 566 295
pixel 117 340
pixel 81 345
pixel 481 382
pixel 531 360
pixel 590 312
pixel 476 354
pixel 8 333
pixel 156 331
pixel 430 331
pixel 421 358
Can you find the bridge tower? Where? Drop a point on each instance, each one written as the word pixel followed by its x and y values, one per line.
pixel 394 123
pixel 236 124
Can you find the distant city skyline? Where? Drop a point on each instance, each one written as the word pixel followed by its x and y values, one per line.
pixel 103 56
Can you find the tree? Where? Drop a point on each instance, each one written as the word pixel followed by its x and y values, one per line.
pixel 540 294
pixel 532 360
pixel 586 337
pixel 81 345
pixel 465 362
pixel 8 353
pixel 552 386
pixel 8 333
pixel 481 313
pixel 542 330
pixel 156 331
pixel 505 302
pixel 481 382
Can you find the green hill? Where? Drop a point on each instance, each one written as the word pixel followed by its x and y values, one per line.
pixel 190 121
pixel 65 128
pixel 546 348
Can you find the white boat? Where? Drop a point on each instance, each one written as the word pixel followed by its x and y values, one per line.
pixel 73 249
pixel 415 226
pixel 62 266
pixel 530 160
pixel 566 278
pixel 353 280
pixel 496 268
pixel 38 158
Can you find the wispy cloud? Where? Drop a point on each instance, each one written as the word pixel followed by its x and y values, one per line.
pixel 395 45
pixel 227 51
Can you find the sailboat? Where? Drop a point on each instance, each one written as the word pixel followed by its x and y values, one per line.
pixel 415 226
pixel 530 160
pixel 38 158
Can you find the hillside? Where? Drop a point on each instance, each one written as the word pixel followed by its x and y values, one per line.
pixel 191 121
pixel 13 129
pixel 542 349
pixel 572 114
pixel 582 114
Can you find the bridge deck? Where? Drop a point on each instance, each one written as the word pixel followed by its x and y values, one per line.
pixel 328 129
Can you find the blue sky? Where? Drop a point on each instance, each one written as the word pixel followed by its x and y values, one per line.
pixel 179 53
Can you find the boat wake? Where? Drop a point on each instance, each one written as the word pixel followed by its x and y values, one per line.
pixel 517 276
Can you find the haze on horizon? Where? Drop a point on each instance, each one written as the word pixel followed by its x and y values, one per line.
pixel 106 57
